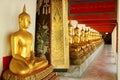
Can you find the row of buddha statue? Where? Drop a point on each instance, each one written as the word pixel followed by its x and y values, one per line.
pixel 82 43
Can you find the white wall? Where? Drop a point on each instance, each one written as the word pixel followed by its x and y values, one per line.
pixel 114 40
pixel 9 11
pixel 118 17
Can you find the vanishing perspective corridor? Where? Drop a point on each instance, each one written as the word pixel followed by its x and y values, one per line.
pixel 102 68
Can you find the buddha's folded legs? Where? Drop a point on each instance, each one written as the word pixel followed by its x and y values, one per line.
pixel 40 63
pixel 18 67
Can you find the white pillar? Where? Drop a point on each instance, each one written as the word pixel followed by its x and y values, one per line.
pixel 114 40
pixel 118 20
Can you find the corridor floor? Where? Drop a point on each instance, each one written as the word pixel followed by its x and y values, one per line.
pixel 102 68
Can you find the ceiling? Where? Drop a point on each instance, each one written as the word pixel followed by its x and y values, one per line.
pixel 100 15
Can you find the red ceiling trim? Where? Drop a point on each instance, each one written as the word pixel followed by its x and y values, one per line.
pixel 103 29
pixel 76 0
pixel 96 17
pixel 98 22
pixel 87 0
pixel 104 26
pixel 92 7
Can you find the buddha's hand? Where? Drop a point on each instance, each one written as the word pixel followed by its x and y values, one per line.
pixel 32 55
pixel 37 59
pixel 30 63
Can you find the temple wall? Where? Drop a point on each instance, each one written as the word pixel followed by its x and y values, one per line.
pixel 78 70
pixel 9 11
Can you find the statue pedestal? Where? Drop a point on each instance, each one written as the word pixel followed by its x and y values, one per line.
pixel 41 74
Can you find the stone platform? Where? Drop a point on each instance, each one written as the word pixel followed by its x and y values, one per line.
pixel 51 76
pixel 41 74
pixel 76 71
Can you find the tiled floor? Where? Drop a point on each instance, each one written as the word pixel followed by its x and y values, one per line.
pixel 102 68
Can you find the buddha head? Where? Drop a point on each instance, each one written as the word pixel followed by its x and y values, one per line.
pixel 76 31
pixel 24 19
pixel 82 32
pixel 70 27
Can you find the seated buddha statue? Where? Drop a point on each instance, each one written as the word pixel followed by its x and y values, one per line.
pixel 76 37
pixel 70 30
pixel 76 52
pixel 82 36
pixel 76 40
pixel 86 35
pixel 23 59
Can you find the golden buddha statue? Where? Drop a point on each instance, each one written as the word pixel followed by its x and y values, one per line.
pixel 23 59
pixel 70 30
pixel 87 34
pixel 76 35
pixel 82 36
